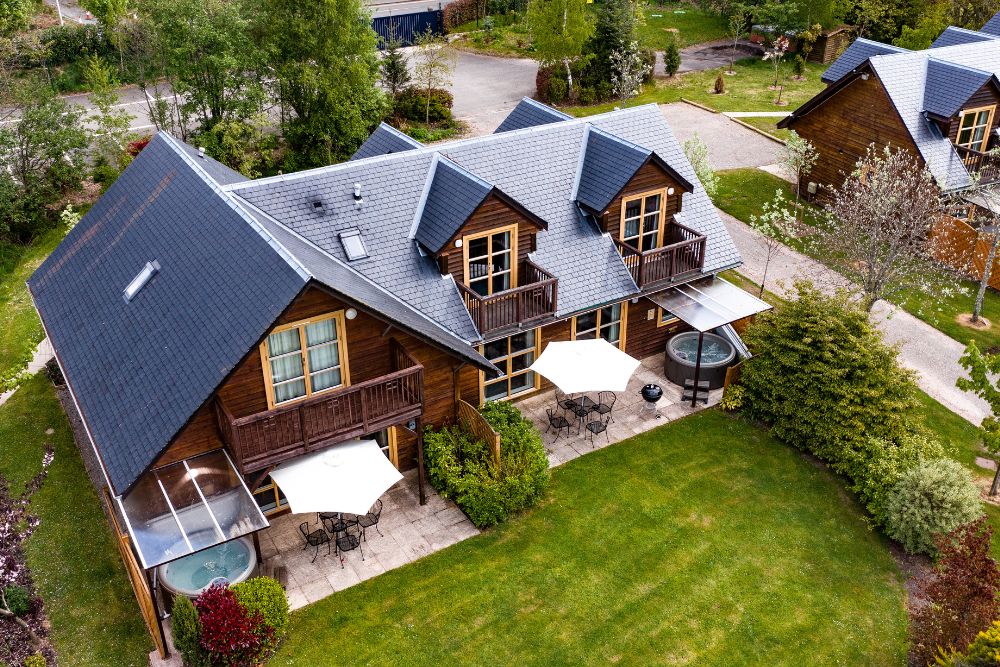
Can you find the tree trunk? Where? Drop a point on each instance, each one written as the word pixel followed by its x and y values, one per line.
pixel 427 106
pixel 984 282
pixel 36 641
pixel 732 57
pixel 996 481
pixel 569 72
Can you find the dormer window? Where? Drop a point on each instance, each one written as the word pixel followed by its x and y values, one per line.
pixel 642 220
pixel 974 128
pixel 490 260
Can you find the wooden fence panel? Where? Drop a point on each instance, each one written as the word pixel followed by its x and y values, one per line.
pixel 471 419
pixel 140 585
pixel 961 246
pixel 732 375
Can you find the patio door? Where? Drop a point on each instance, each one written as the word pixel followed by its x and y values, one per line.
pixel 386 439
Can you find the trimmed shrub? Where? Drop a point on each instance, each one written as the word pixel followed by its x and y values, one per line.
pixel 931 499
pixel 458 12
pixel 69 43
pixel 229 634
pixel 462 468
pixel 18 599
pixel 984 651
pixel 36 660
pixel 875 465
pixel 410 105
pixel 186 632
pixel 265 596
pixel 822 377
pixel 543 79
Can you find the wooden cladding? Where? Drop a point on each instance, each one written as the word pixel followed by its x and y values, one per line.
pixel 271 437
pixel 533 300
pixel 682 257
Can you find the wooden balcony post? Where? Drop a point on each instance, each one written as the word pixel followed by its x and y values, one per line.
pixel 420 461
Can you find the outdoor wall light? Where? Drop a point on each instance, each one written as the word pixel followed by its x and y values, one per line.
pixel 458 243
pixel 351 313
pixel 670 191
pixel 412 424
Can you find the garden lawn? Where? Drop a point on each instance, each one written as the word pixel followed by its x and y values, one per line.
pixel 746 91
pixel 743 193
pixel 20 328
pixel 768 124
pixel 686 22
pixel 72 554
pixel 702 542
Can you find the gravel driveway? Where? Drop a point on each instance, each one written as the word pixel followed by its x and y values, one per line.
pixel 487 88
pixel 730 145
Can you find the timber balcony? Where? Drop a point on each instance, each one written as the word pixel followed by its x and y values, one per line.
pixel 684 256
pixel 987 165
pixel 268 438
pixel 535 299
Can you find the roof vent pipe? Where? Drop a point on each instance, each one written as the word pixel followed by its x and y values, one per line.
pixel 357 196
pixel 201 152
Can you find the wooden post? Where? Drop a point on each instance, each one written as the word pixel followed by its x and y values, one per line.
pixel 256 549
pixel 420 461
pixel 161 640
pixel 697 370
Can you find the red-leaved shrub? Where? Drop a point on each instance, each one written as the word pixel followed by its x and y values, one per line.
pixel 135 147
pixel 458 12
pixel 229 635
pixel 962 600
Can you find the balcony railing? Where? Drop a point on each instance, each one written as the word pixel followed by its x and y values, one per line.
pixel 684 256
pixel 987 165
pixel 533 300
pixel 269 438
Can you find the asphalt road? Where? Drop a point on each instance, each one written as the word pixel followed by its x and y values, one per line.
pixel 730 145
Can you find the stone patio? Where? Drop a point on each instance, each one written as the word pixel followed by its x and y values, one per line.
pixel 409 531
pixel 629 416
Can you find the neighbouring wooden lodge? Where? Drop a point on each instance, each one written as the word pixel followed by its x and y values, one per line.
pixel 210 327
pixel 940 104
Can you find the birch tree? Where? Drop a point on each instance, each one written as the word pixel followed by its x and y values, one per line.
pixel 876 231
pixel 560 29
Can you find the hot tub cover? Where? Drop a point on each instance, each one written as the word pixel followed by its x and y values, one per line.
pixel 709 303
pixel 188 506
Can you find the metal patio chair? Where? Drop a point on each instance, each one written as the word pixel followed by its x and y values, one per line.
pixel 315 539
pixel 370 519
pixel 557 422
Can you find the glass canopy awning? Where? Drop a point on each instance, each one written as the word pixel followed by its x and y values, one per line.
pixel 189 506
pixel 709 303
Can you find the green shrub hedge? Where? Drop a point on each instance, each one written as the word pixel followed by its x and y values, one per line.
pixel 411 102
pixel 265 595
pixel 462 468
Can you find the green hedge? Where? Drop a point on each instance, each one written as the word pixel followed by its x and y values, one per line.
pixel 462 468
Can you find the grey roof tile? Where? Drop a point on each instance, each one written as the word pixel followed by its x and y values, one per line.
pixel 453 196
pixel 385 140
pixel 992 26
pixel 215 170
pixel 953 36
pixel 140 369
pixel 608 165
pixel 949 86
pixel 529 113
pixel 857 53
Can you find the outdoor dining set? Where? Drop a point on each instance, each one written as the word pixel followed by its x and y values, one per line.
pixel 342 531
pixel 594 416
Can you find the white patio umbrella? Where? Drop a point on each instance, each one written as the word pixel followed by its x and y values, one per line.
pixel 348 477
pixel 579 366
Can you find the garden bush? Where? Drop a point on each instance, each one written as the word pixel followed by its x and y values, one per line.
pixel 822 377
pixel 462 468
pixel 18 599
pixel 458 12
pixel 186 631
pixel 36 660
pixel 230 635
pixel 984 651
pixel 931 499
pixel 265 596
pixel 69 43
pixel 410 105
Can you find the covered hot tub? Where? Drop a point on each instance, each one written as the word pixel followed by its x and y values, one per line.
pixel 717 354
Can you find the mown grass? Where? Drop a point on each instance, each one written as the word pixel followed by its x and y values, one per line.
pixel 769 125
pixel 702 542
pixel 72 554
pixel 743 193
pixel 685 22
pixel 748 90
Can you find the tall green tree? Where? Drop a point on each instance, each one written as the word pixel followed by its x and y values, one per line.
pixel 210 56
pixel 111 14
pixel 394 67
pixel 322 56
pixel 15 15
pixel 615 28
pixel 560 29
pixel 983 370
pixel 112 123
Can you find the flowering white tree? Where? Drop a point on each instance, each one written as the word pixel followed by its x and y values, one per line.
pixel 628 69
pixel 877 229
pixel 16 526
pixel 697 154
pixel 776 224
pixel 799 157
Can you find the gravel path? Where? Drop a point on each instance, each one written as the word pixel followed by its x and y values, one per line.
pixel 933 355
pixel 730 145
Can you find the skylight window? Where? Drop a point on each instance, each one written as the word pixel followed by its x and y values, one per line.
pixel 354 245
pixel 147 272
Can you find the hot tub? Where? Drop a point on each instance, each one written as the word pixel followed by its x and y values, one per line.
pixel 717 354
pixel 230 563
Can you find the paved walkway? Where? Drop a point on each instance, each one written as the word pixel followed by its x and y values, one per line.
pixel 932 354
pixel 730 145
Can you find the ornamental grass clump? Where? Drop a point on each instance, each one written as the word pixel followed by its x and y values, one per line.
pixel 463 468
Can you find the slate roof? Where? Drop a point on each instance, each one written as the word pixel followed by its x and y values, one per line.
pixel 453 195
pixel 992 26
pixel 856 54
pixel 140 369
pixel 536 167
pixel 953 36
pixel 214 169
pixel 948 86
pixel 529 113
pixel 385 140
pixel 608 165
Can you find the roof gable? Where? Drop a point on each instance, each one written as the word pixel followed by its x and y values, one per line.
pixel 856 54
pixel 949 86
pixel 453 195
pixel 529 113
pixel 992 26
pixel 222 282
pixel 385 140
pixel 953 36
